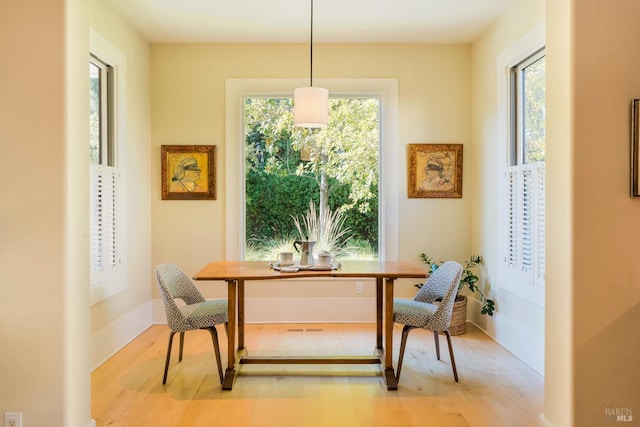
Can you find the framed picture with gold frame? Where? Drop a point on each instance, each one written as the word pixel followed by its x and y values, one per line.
pixel 188 172
pixel 434 170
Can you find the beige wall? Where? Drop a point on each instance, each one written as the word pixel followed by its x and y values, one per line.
pixel 44 294
pixel 593 293
pixel 519 323
pixel 188 103
pixel 593 345
pixel 560 404
pixel 592 314
pixel 604 73
pixel 77 398
pixel 135 154
pixel 43 212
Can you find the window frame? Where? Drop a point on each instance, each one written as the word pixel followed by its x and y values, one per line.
pixel 524 285
pixel 107 282
pixel 385 89
pixel 516 109
pixel 107 111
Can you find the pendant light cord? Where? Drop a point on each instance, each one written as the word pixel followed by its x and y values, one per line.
pixel 311 50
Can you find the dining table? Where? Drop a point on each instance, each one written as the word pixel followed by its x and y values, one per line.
pixel 237 273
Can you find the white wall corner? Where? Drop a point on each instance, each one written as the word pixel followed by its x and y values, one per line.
pixel 159 314
pixel 525 344
pixel 543 422
pixel 113 337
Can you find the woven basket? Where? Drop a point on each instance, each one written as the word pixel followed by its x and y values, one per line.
pixel 459 317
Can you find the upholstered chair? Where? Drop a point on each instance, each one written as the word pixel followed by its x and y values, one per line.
pixel 196 313
pixel 431 309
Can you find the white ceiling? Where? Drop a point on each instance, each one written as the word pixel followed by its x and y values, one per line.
pixel 357 21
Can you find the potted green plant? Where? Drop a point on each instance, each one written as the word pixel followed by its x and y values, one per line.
pixel 469 280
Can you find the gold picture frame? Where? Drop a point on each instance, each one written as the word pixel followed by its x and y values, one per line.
pixel 434 171
pixel 188 172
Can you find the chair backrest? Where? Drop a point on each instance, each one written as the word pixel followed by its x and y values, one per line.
pixel 443 284
pixel 438 283
pixel 173 283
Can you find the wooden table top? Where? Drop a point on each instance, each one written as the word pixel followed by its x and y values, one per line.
pixel 261 270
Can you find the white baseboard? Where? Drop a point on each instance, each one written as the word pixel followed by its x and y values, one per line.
pixel 298 310
pixel 92 423
pixel 110 339
pixel 544 422
pixel 158 313
pixel 524 343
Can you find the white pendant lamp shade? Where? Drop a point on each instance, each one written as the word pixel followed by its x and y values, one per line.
pixel 311 107
pixel 311 104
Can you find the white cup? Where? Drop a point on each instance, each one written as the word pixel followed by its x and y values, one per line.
pixel 285 258
pixel 325 259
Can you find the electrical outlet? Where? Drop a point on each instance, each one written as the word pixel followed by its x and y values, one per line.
pixel 13 419
pixel 359 287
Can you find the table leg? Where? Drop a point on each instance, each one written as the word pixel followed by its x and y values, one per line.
pixel 229 377
pixel 389 373
pixel 379 296
pixel 240 314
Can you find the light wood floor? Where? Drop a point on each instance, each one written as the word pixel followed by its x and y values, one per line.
pixel 495 388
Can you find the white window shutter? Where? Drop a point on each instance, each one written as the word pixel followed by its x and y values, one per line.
pixel 526 222
pixel 105 256
pixel 512 219
pixel 541 224
pixel 526 195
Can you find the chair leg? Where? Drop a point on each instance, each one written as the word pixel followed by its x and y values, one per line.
pixel 216 348
pixel 453 360
pixel 403 343
pixel 181 346
pixel 166 364
pixel 436 338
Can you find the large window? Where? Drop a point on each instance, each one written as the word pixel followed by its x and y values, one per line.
pixel 107 236
pixel 525 175
pixel 237 91
pixel 320 185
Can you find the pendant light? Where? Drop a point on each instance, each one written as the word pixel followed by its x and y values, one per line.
pixel 311 104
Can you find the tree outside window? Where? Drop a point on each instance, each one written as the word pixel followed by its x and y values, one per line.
pixel 290 171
